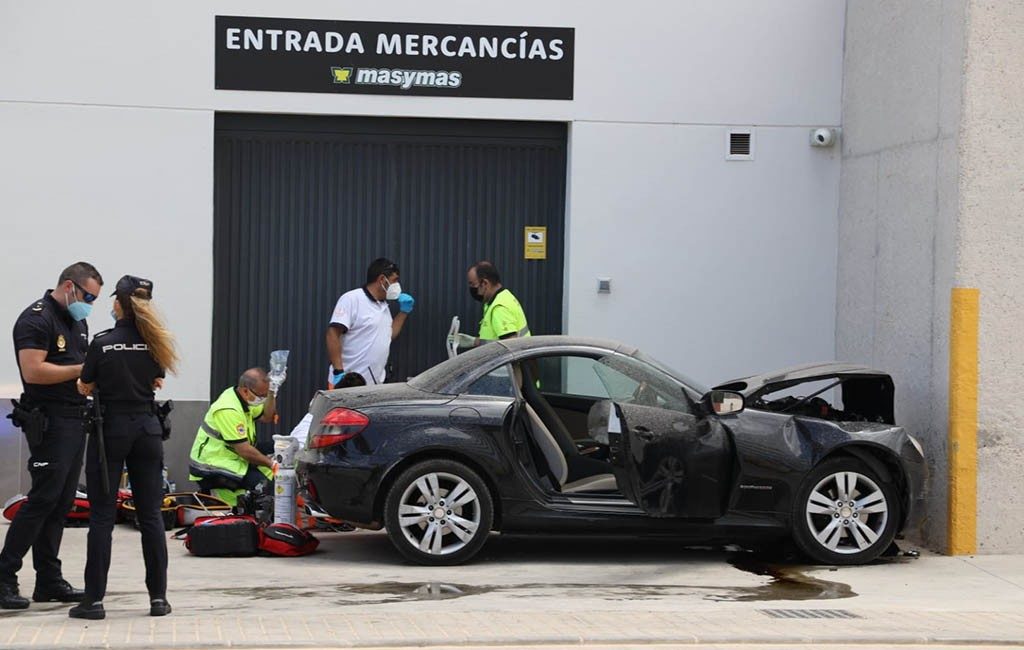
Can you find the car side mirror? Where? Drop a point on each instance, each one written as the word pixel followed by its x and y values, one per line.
pixel 724 402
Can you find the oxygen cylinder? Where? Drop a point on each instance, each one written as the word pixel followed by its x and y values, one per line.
pixel 284 483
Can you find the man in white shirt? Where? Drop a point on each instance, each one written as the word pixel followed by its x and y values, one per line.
pixel 361 329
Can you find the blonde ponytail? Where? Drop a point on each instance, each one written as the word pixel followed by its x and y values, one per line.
pixel 155 334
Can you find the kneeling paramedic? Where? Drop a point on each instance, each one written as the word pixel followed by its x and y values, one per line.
pixel 224 460
pixel 123 368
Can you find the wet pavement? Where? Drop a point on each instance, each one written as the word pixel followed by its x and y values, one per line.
pixel 357 591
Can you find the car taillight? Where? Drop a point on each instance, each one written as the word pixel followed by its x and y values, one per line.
pixel 339 424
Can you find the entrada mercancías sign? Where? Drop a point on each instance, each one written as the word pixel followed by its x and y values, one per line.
pixel 333 56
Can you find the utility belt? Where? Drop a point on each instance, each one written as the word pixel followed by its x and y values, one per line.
pixel 109 408
pixel 33 417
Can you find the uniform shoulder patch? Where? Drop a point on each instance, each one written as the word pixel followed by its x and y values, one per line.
pixel 38 306
pixel 240 429
pixel 103 333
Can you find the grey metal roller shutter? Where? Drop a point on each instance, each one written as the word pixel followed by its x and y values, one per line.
pixel 304 203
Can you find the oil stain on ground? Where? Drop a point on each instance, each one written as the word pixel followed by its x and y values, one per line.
pixel 786 584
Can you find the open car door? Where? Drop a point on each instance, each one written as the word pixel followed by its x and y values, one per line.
pixel 669 463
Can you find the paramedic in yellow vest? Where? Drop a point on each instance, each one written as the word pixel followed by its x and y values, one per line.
pixel 224 459
pixel 503 315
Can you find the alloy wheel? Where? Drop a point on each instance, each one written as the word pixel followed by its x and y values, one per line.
pixel 439 513
pixel 847 512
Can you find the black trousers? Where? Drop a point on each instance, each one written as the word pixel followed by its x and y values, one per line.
pixel 132 441
pixel 54 465
pixel 253 478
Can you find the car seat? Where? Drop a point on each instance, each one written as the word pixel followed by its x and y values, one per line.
pixel 574 472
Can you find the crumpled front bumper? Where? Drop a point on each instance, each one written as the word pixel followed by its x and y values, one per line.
pixel 916 468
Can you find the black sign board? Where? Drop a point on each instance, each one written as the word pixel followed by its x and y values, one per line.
pixel 335 56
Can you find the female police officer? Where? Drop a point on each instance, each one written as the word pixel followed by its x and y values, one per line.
pixel 125 365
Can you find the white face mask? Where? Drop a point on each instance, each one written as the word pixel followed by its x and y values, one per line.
pixel 257 400
pixel 393 291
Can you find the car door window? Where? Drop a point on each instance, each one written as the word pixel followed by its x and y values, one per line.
pixel 611 377
pixel 568 375
pixel 633 382
pixel 497 383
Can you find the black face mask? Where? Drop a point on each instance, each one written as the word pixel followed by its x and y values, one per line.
pixel 474 295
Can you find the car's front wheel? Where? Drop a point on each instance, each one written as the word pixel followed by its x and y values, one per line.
pixel 438 512
pixel 844 513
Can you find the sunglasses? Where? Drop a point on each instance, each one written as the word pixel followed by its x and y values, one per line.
pixel 86 296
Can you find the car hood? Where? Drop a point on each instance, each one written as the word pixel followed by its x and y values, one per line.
pixel 755 385
pixel 865 391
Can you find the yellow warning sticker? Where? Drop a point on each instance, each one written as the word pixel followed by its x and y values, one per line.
pixel 535 243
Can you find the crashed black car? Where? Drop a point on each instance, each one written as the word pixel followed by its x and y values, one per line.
pixel 555 434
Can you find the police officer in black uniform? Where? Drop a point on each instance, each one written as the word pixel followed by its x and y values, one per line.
pixel 50 341
pixel 123 367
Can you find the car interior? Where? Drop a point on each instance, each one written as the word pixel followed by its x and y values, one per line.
pixel 571 463
pixel 567 401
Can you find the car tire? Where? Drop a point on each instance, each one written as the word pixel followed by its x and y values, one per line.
pixel 430 527
pixel 830 530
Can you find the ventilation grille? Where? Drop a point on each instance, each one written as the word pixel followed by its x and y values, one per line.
pixel 808 613
pixel 739 144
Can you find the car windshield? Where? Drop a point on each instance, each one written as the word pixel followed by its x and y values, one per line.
pixel 690 383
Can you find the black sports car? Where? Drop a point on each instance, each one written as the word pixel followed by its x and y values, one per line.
pixel 555 434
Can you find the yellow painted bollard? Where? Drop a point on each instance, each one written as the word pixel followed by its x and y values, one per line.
pixel 963 421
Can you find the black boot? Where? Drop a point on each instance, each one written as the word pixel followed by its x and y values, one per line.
pixel 57 592
pixel 10 598
pixel 159 607
pixel 88 609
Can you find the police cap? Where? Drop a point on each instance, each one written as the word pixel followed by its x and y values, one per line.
pixel 127 285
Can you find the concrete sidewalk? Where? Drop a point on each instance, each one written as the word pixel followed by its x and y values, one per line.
pixel 356 592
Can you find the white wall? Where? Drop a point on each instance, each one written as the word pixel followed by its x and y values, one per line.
pixel 120 94
pixel 128 190
pixel 719 268
pixel 701 62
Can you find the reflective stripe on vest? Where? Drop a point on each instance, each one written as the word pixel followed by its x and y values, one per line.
pixel 210 431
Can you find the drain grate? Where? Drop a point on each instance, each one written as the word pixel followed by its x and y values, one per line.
pixel 808 613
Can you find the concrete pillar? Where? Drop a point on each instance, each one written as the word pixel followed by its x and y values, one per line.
pixel 990 257
pixel 902 68
pixel 931 198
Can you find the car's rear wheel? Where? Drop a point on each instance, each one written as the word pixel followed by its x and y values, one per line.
pixel 438 512
pixel 844 513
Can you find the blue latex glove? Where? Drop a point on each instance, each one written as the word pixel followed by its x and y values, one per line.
pixel 405 303
pixel 336 376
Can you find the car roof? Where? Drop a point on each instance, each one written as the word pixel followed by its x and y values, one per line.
pixel 442 377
